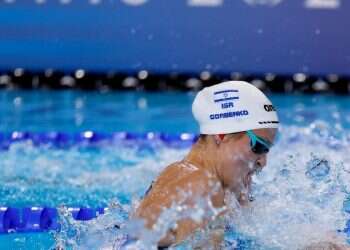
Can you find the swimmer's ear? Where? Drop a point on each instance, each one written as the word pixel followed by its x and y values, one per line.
pixel 219 138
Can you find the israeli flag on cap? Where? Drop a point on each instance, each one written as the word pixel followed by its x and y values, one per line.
pixel 225 95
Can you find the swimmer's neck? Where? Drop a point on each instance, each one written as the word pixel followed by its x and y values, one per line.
pixel 203 156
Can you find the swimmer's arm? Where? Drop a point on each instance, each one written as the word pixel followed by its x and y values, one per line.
pixel 185 228
pixel 188 227
pixel 197 186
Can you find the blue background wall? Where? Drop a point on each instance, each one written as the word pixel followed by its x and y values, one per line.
pixel 170 35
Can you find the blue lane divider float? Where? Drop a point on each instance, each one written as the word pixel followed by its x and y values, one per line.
pixel 90 137
pixel 39 219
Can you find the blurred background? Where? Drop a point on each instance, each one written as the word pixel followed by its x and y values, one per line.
pixel 109 46
pixel 93 41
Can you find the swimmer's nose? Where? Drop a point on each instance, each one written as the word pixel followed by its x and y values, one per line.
pixel 261 162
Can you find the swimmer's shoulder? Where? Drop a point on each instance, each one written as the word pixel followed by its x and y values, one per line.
pixel 163 191
pixel 198 181
pixel 171 185
pixel 182 178
pixel 175 172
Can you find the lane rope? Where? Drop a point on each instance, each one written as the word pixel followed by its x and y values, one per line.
pixel 87 138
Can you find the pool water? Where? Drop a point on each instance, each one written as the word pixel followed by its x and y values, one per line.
pixel 74 111
pixel 300 196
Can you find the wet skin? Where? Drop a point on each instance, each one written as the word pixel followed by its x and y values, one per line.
pixel 213 166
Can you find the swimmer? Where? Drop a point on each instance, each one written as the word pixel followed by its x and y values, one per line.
pixel 238 125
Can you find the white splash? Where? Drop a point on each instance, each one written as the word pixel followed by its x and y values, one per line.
pixel 298 197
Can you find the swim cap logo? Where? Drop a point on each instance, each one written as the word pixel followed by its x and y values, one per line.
pixel 225 98
pixel 269 108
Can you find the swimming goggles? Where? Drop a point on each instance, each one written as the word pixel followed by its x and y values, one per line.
pixel 258 144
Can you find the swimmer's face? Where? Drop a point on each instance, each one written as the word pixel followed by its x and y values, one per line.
pixel 238 162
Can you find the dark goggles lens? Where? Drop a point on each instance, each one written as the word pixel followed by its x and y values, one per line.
pixel 259 148
pixel 258 145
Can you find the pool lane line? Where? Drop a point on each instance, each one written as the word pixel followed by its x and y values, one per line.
pixel 62 139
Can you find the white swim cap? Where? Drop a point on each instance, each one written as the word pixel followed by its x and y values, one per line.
pixel 231 107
